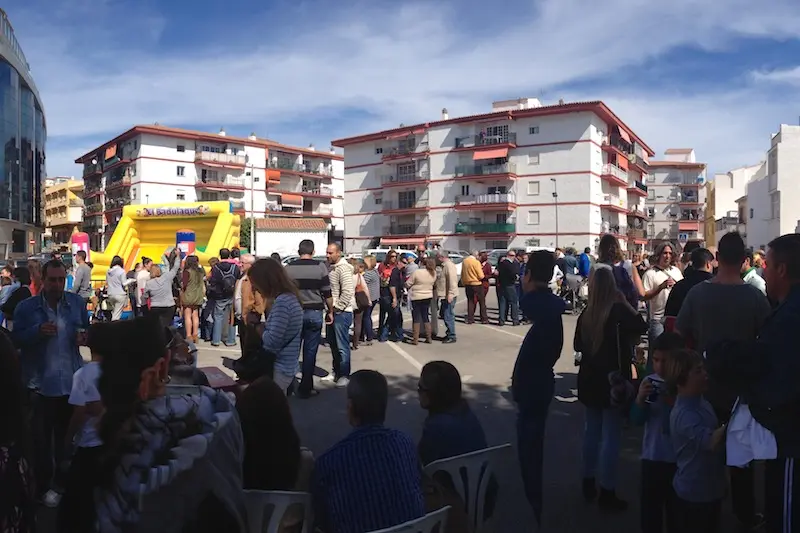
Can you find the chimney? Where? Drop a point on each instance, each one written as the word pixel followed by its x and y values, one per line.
pixel 222 132
pixel 560 101
pixel 445 114
pixel 253 136
pixel 311 147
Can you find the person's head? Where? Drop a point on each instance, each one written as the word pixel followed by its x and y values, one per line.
pixel 4 281
pixel 442 256
pixel 270 279
pixel 476 254
pixel 100 340
pixel 430 265
pixel 13 415
pixel 137 267
pixel 22 275
pixel 367 398
pixel 54 278
pixel 664 255
pixel 602 295
pixel 686 258
pixel 306 248
pixel 758 259
pixel 333 253
pixel 235 253
pixel 539 270
pixel 512 255
pixel 403 260
pixel 731 252
pixel 7 271
pixel 116 261
pixel 664 345
pixel 439 387
pixel 421 250
pixel 782 271
pixel 80 257
pixel 213 261
pixel 685 373
pixel 483 257
pixel 35 269
pixel 749 260
pixel 391 257
pixel 247 261
pixel 155 271
pixel 275 256
pixel 370 261
pixel 192 263
pixel 147 263
pixel 134 371
pixel 702 260
pixel 272 445
pixel 587 250
pixel 608 251
pixel 224 253
pixel 360 266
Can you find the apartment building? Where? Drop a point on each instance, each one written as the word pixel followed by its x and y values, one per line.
pixel 521 175
pixel 676 196
pixel 154 164
pixel 63 211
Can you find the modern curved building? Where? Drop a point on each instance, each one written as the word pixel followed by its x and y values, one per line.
pixel 23 134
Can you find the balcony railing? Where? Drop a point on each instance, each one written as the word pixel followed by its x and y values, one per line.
pixel 390 205
pixel 93 209
pixel 639 185
pixel 641 163
pixel 91 168
pixel 400 151
pixel 617 143
pixel 636 212
pixel 422 175
pixel 117 203
pixel 612 199
pixel 686 199
pixel 321 190
pixel 485 170
pixel 419 228
pixel 485 227
pixel 616 172
pixel 220 181
pixel 286 187
pixel 478 199
pixel 236 160
pixel 637 233
pixel 75 202
pixel 482 139
pixel 286 164
pixel 324 210
pixel 119 182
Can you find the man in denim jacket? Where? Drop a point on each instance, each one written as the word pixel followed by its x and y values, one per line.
pixel 48 329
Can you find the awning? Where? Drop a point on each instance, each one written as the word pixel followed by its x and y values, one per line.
pixel 490 154
pixel 624 135
pixel 402 240
pixel 688 226
pixel 293 200
pixel 273 175
pixel 111 151
pixel 622 162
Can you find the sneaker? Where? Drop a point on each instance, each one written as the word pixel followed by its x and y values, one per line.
pixel 448 340
pixel 328 379
pixel 342 382
pixel 51 498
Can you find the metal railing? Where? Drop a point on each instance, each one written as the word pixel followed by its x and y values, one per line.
pixel 640 162
pixel 407 229
pixel 229 181
pixel 477 199
pixel 220 158
pixel 485 170
pixel 637 233
pixel 639 185
pixel 294 188
pixel 119 182
pixel 489 140
pixel 90 169
pixel 286 164
pixel 611 199
pixel 117 203
pixel 421 175
pixel 419 203
pixel 321 190
pixel 613 170
pixel 93 209
pixel 485 227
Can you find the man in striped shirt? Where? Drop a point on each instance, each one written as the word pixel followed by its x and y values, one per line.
pixel 338 333
pixel 371 479
pixel 312 279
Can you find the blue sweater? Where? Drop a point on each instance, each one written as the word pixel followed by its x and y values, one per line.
pixel 282 333
pixel 449 434
pixel 656 444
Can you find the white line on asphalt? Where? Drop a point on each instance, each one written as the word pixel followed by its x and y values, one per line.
pixel 405 355
pixel 499 330
pixel 466 378
pixel 217 348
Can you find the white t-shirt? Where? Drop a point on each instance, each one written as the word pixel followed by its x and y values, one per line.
pixel 652 279
pixel 84 390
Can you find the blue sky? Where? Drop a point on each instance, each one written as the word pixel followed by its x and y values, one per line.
pixel 716 76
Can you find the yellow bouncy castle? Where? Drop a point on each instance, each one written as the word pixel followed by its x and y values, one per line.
pixel 151 230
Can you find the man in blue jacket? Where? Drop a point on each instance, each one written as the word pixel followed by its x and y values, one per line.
pixel 585 263
pixel 48 329
pixel 533 381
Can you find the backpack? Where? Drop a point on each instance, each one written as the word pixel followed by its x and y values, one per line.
pixel 228 283
pixel 625 285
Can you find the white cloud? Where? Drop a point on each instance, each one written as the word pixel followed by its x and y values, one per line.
pixel 400 64
pixel 790 76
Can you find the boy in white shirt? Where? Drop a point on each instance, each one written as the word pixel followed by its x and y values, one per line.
pixel 76 511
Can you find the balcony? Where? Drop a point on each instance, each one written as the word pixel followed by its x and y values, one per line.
pixel 124 181
pixel 616 145
pixel 689 184
pixel 417 228
pixel 92 169
pixel 508 140
pixel 75 202
pixel 638 188
pixel 289 166
pixel 215 159
pixel 237 205
pixel 503 170
pixel 219 182
pixel 638 213
pixel 93 209
pixel 613 203
pixel 418 179
pixel 639 164
pixel 320 191
pixel 406 152
pixel 614 175
pixel 115 204
pixel 485 228
pixel 638 236
pixel 685 199
pixel 486 202
pixel 688 224
pixel 389 205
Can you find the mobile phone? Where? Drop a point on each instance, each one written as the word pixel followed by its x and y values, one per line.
pixel 657 384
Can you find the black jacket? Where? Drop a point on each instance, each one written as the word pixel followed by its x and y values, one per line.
pixel 593 385
pixel 507 273
pixel 681 289
pixel 216 284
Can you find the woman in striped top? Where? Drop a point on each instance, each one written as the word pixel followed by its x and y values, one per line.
pixel 282 333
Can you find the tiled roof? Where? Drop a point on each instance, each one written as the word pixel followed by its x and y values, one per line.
pixel 291 224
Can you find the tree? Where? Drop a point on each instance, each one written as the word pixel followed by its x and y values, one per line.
pixel 244 233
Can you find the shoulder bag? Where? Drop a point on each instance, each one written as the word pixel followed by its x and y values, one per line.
pixel 621 391
pixel 362 296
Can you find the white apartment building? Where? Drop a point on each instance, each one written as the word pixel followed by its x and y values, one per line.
pixel 773 198
pixel 676 197
pixel 522 175
pixel 724 193
pixel 154 164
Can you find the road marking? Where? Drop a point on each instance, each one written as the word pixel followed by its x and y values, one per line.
pixel 405 355
pixel 231 349
pixel 499 330
pixel 466 378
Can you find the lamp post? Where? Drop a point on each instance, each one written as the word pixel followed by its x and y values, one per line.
pixel 555 199
pixel 252 205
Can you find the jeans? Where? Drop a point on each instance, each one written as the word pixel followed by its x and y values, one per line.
pixel 340 349
pixel 449 315
pixel 655 328
pixel 49 423
pixel 601 440
pixel 222 309
pixel 393 323
pixel 312 334
pixel 367 327
pixel 508 296
pixel 420 311
pixel 530 447
pixel 658 499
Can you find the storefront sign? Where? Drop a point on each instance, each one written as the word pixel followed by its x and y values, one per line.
pixel 172 211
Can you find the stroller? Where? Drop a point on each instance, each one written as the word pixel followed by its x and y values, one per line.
pixel 102 311
pixel 575 292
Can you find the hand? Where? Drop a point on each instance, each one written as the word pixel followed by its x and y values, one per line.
pixel 49 329
pixel 449 299
pixel 329 318
pixel 645 390
pixel 394 303
pixel 670 283
pixel 664 285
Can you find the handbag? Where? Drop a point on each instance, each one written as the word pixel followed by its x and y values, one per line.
pixel 362 298
pixel 621 392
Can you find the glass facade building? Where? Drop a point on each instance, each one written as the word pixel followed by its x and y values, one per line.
pixel 23 135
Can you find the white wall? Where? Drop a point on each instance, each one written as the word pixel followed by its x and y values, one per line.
pixel 760 227
pixel 788 178
pixel 286 242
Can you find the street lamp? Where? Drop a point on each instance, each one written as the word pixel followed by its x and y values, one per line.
pixel 252 204
pixel 555 199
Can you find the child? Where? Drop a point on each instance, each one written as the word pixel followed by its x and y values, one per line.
pixel 696 436
pixel 652 408
pixel 76 511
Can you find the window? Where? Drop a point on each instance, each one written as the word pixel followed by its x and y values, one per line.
pixel 180 196
pixel 533 130
pixel 208 175
pixel 181 171
pixel 651 178
pixel 181 148
pixel 533 188
pixel 378 151
pixel 212 149
pixel 378 198
pixel 533 159
pixel 235 151
pixel 499 189
pixel 135 145
pixel 465 190
pixel 651 194
pixel 651 212
pixel 775 205
pixel 533 218
pixel 497 133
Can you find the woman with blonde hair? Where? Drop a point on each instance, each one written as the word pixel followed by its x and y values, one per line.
pixel 159 289
pixel 605 335
pixel 373 281
pixel 421 284
pixel 363 299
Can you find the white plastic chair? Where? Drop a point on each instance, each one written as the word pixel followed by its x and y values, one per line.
pixel 426 524
pixel 470 474
pixel 258 503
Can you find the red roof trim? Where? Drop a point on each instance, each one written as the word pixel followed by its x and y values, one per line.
pixel 597 107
